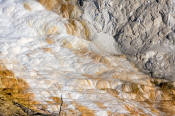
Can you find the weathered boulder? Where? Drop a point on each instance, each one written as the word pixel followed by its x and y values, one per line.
pixel 143 30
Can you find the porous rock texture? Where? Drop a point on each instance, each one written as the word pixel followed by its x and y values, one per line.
pixel 144 30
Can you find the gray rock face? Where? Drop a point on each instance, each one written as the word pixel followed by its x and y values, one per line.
pixel 144 30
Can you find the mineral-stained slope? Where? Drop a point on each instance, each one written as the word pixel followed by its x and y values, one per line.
pixel 143 29
pixel 71 64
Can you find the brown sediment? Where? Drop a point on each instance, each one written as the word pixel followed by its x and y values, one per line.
pixel 167 107
pixel 66 10
pixel 7 108
pixel 167 102
pixel 15 90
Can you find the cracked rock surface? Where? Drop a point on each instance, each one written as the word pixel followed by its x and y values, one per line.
pixel 143 30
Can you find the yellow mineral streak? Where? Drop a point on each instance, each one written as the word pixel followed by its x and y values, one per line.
pixel 98 58
pixel 88 75
pixel 167 102
pixel 65 110
pixel 66 44
pixel 56 100
pixel 101 84
pixel 72 28
pixel 68 9
pixel 65 8
pixel 100 105
pixel 95 57
pixel 77 28
pixel 157 99
pixel 112 92
pixel 52 30
pixel 84 110
pixel 49 50
pixel 68 112
pixel 85 30
pixel 27 7
pixel 16 89
pixel 134 112
pixel 49 41
pixel 49 4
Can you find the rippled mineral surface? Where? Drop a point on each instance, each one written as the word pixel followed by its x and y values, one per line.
pixel 52 65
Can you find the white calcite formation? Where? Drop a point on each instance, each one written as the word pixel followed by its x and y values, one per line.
pixel 68 72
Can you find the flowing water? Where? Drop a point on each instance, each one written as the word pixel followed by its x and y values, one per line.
pixel 69 74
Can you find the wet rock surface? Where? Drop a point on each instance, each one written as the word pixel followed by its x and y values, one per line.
pixel 143 30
